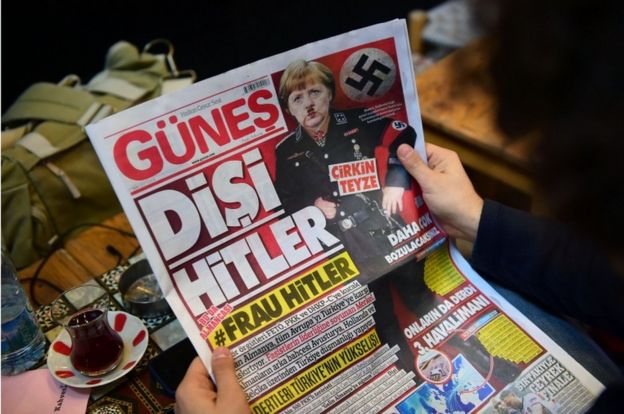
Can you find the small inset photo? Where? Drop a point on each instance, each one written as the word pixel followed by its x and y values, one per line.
pixel 434 366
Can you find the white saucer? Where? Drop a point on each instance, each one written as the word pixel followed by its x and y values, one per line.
pixel 135 339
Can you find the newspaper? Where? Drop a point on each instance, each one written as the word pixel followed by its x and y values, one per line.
pixel 272 208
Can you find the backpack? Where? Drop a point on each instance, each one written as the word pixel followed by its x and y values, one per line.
pixel 52 180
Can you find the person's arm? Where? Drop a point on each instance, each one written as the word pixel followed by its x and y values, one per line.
pixel 397 179
pixel 538 257
pixel 547 261
pixel 286 183
pixel 396 176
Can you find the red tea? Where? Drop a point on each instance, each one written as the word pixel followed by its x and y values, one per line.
pixel 96 347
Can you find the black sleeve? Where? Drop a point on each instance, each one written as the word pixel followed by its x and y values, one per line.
pixel 286 184
pixel 397 176
pixel 549 263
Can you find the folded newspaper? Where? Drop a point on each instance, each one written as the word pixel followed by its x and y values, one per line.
pixel 274 212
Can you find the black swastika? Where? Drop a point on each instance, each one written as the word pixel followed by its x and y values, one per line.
pixel 367 75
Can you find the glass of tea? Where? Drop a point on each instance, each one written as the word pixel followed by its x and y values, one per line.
pixel 96 348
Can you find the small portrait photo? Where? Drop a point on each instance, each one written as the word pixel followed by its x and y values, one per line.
pixel 434 366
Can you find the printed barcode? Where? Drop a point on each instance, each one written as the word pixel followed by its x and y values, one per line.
pixel 256 85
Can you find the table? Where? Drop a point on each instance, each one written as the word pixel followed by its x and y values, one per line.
pixel 463 119
pixel 85 259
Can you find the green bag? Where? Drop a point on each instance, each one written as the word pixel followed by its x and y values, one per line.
pixel 52 180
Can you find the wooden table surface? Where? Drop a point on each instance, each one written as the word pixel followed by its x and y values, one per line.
pixel 83 257
pixel 458 113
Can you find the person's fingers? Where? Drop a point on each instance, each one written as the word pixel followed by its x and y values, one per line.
pixel 195 386
pixel 197 375
pixel 228 388
pixel 330 210
pixel 440 158
pixel 399 206
pixel 413 163
pixel 432 149
pixel 387 204
pixel 325 203
pixel 197 368
pixel 389 208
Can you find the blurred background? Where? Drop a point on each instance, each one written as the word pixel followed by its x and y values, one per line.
pixel 45 40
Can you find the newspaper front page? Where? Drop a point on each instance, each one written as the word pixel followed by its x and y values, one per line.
pixel 274 212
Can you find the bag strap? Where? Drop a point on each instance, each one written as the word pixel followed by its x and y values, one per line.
pixel 129 77
pixel 129 74
pixel 44 142
pixel 49 102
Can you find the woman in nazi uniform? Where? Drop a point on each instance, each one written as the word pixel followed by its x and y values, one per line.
pixel 329 161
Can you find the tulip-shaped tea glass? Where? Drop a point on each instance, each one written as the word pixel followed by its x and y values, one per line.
pixel 96 348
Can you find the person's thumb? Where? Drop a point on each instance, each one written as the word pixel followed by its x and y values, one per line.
pixel 228 388
pixel 413 163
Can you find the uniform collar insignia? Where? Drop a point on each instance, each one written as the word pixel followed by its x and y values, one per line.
pixel 351 132
pixel 340 118
pixel 296 155
pixel 298 133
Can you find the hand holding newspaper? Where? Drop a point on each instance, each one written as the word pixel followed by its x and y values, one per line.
pixel 270 204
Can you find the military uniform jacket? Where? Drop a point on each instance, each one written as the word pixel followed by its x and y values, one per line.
pixel 302 173
pixel 302 176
